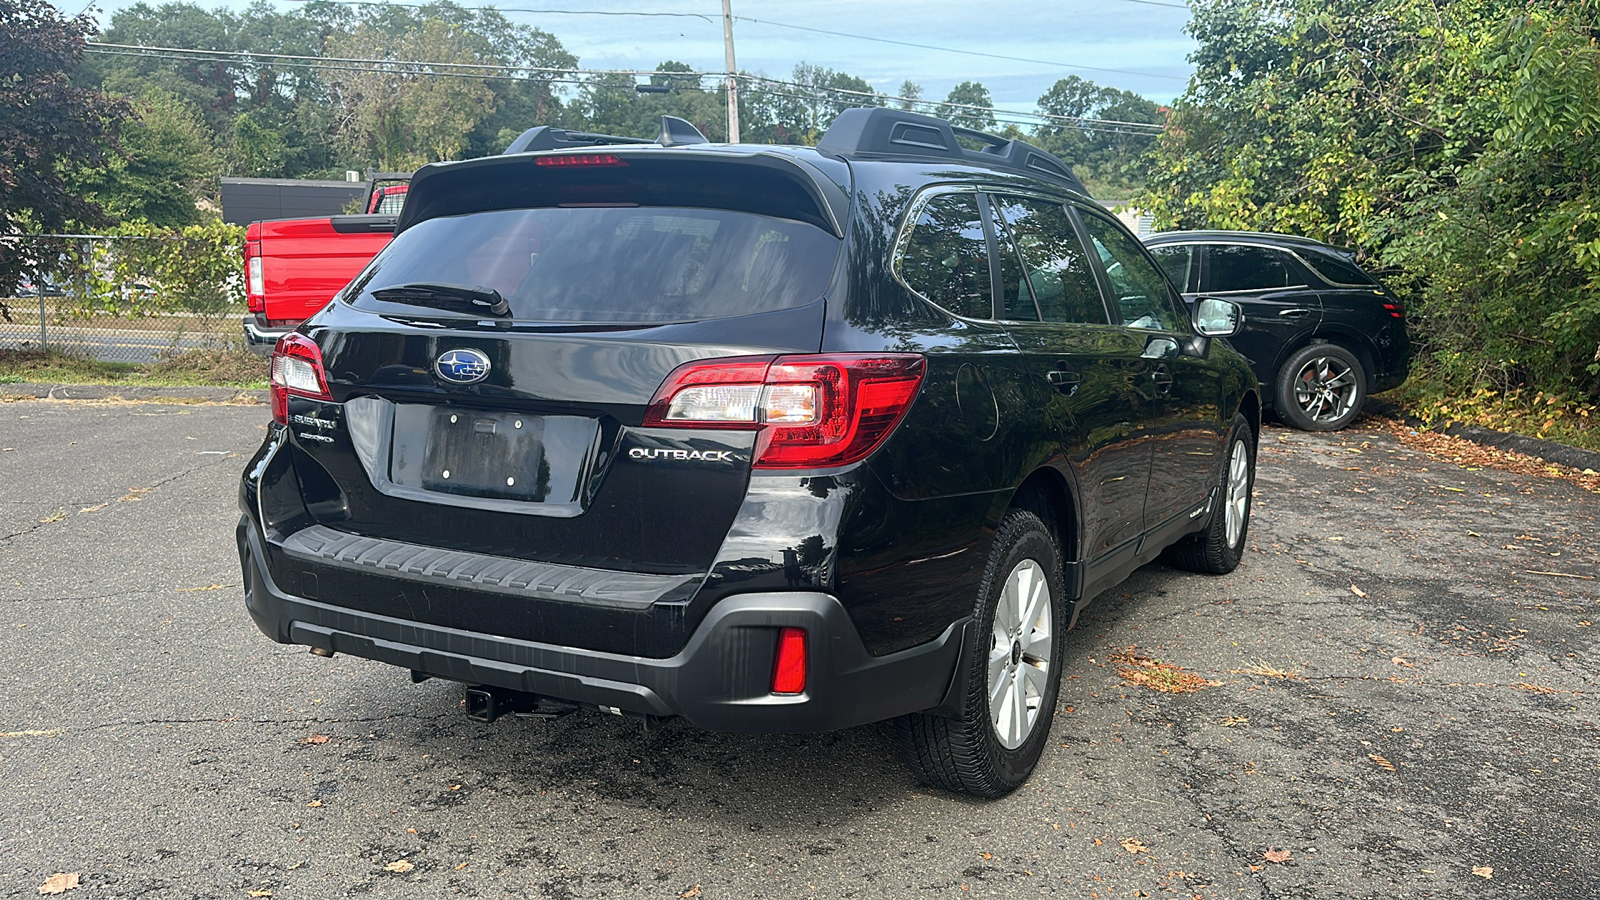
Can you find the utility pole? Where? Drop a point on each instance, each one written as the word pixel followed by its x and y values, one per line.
pixel 733 81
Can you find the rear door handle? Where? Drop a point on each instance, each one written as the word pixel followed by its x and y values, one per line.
pixel 1293 313
pixel 1064 380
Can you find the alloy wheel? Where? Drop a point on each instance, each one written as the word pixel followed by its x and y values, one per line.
pixel 1020 653
pixel 1325 389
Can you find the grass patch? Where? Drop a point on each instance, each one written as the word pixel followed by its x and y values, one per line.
pixel 189 368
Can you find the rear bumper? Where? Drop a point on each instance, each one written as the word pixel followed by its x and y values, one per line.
pixel 720 680
pixel 259 337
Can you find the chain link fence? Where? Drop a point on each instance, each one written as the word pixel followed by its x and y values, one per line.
pixel 125 298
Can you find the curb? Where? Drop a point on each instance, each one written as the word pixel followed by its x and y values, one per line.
pixel 140 393
pixel 1549 451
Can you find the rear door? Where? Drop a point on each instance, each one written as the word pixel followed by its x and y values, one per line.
pixel 1083 371
pixel 1280 305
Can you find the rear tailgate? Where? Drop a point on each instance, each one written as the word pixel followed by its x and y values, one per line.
pixel 304 262
pixel 524 438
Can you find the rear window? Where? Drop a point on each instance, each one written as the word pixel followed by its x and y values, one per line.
pixel 608 264
pixel 1248 268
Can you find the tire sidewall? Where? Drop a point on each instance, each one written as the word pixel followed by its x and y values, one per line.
pixel 1238 435
pixel 1022 536
pixel 1288 408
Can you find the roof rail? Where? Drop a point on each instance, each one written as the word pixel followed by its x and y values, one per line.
pixel 675 132
pixel 894 132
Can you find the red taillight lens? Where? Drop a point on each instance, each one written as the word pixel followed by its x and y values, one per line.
pixel 255 282
pixel 1395 310
pixel 812 411
pixel 789 674
pixel 581 159
pixel 296 369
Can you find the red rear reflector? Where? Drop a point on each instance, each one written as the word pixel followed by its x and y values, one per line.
pixel 1395 310
pixel 580 159
pixel 296 369
pixel 811 411
pixel 789 675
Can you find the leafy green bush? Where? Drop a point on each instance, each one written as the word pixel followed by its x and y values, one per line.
pixel 194 269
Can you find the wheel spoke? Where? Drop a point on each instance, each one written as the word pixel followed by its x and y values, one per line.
pixel 1036 677
pixel 1019 708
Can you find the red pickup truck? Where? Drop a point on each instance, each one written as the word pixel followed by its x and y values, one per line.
pixel 293 267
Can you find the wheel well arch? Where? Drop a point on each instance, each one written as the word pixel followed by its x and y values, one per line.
pixel 1352 341
pixel 1250 408
pixel 1046 491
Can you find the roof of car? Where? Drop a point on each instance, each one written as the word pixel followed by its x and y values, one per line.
pixel 1243 237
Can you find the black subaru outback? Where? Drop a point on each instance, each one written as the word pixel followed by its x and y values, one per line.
pixel 771 438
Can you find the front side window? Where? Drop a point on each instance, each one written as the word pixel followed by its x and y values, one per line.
pixel 625 264
pixel 1249 269
pixel 946 257
pixel 1057 267
pixel 1141 292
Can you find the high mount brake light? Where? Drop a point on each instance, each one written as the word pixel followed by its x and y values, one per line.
pixel 296 369
pixel 810 411
pixel 580 159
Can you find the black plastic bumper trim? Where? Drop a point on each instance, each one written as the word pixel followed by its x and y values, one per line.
pixel 720 680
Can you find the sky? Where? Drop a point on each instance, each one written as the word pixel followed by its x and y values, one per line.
pixel 1136 45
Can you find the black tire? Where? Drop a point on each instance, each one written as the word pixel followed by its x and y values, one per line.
pixel 968 754
pixel 1321 387
pixel 1214 551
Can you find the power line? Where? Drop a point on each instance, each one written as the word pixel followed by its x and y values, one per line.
pixel 552 75
pixel 879 40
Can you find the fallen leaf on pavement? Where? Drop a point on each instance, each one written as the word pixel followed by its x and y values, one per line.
pixel 400 865
pixel 1276 856
pixel 1157 675
pixel 315 739
pixel 314 804
pixel 258 893
pixel 1134 845
pixel 1358 592
pixel 1483 871
pixel 59 883
pixel 987 855
pixel 209 587
pixel 691 892
pixel 1381 762
pixel 1233 721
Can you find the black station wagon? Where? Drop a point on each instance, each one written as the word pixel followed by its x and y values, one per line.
pixel 770 438
pixel 1320 333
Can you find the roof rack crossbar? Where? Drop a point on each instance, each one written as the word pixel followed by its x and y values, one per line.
pixel 880 131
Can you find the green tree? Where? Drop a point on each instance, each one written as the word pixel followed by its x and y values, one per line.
pixel 165 166
pixel 1111 158
pixel 47 125
pixel 969 105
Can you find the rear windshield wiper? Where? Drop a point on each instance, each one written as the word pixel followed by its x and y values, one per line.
pixel 451 297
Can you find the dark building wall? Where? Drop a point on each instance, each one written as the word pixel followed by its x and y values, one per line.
pixel 246 200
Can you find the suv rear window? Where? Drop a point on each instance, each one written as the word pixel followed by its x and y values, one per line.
pixel 611 264
pixel 1246 268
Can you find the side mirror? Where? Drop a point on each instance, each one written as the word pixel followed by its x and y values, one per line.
pixel 1217 318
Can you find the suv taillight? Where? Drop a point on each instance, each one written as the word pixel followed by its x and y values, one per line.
pixel 255 283
pixel 296 369
pixel 812 411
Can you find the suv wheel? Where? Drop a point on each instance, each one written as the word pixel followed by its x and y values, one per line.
pixel 1218 549
pixel 1321 388
pixel 1011 682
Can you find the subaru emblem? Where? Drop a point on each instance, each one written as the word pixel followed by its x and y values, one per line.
pixel 462 366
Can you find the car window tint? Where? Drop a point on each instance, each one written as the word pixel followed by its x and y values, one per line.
pixel 1142 293
pixel 1176 260
pixel 1057 267
pixel 1016 294
pixel 946 258
pixel 1249 269
pixel 1337 270
pixel 631 264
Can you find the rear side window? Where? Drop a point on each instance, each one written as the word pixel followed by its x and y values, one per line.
pixel 1177 260
pixel 1057 267
pixel 1249 269
pixel 599 265
pixel 946 258
pixel 1336 270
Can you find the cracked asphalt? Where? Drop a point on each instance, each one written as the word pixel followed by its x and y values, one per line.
pixel 1405 694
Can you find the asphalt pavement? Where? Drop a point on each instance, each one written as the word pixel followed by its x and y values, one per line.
pixel 1397 698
